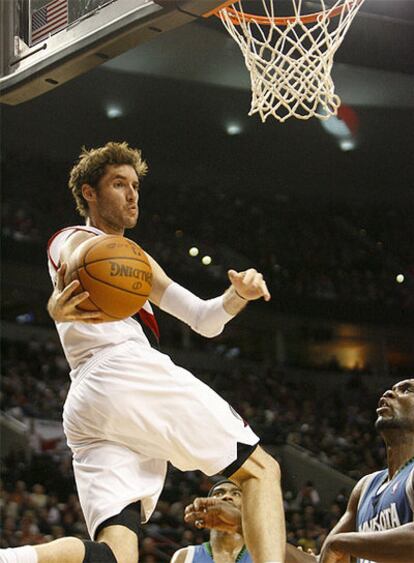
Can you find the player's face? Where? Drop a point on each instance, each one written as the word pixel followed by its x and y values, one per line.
pixel 229 493
pixel 396 407
pixel 117 197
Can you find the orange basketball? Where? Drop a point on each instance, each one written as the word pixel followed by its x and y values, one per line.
pixel 116 273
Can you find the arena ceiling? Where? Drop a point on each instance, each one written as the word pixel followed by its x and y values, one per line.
pixel 184 97
pixel 379 44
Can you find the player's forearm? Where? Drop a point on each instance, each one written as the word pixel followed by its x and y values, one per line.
pixel 205 316
pixel 295 555
pixel 390 546
pixel 232 302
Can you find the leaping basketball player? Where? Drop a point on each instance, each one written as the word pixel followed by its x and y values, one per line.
pixel 378 525
pixel 130 410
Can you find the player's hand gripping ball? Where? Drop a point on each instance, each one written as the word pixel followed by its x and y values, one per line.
pixel 116 273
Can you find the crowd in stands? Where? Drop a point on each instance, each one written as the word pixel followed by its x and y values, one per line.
pixel 34 379
pixel 39 504
pixel 310 252
pixel 307 249
pixel 336 428
pixel 38 497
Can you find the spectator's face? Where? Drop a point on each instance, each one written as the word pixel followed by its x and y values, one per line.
pixel 396 408
pixel 229 493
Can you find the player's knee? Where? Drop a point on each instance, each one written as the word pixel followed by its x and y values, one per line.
pixel 102 552
pixel 98 551
pixel 259 465
pixel 266 466
pixel 121 532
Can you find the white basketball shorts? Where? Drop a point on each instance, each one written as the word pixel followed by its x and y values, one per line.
pixel 131 410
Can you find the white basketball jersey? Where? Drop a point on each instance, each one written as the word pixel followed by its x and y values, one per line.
pixel 81 341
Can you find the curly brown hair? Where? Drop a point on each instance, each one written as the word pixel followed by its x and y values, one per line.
pixel 92 164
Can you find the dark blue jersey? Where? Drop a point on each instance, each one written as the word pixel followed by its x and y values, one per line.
pixel 202 554
pixel 385 505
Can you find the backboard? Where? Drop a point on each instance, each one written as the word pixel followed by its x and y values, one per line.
pixel 48 42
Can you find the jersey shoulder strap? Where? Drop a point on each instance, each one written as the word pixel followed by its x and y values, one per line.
pixel 189 558
pixel 56 241
pixel 368 481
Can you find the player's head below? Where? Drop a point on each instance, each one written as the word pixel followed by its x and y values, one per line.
pixel 396 410
pixel 105 181
pixel 227 491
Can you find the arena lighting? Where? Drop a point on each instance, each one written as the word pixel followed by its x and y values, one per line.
pixel 25 318
pixel 345 124
pixel 206 260
pixel 336 127
pixel 234 128
pixel 400 278
pixel 344 127
pixel 347 144
pixel 113 111
pixel 193 251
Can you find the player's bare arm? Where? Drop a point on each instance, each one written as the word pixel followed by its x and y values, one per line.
pixel 296 555
pixel 330 553
pixel 206 316
pixel 160 281
pixel 62 304
pixel 248 285
pixel 210 315
pixel 390 546
pixel 214 513
pixel 245 286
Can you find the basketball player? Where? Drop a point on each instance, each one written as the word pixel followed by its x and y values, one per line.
pixel 222 515
pixel 130 410
pixel 222 508
pixel 225 546
pixel 378 525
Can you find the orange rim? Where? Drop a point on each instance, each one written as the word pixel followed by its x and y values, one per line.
pixel 236 16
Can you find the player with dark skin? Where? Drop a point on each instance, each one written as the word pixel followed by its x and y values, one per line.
pixel 395 423
pixel 224 518
pixel 226 545
pixel 221 513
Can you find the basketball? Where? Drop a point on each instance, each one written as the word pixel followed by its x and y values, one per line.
pixel 116 273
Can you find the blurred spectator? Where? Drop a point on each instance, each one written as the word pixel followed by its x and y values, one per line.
pixel 307 496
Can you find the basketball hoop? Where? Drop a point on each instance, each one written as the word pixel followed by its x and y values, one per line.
pixel 290 58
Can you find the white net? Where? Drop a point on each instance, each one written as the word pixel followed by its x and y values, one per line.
pixel 290 64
